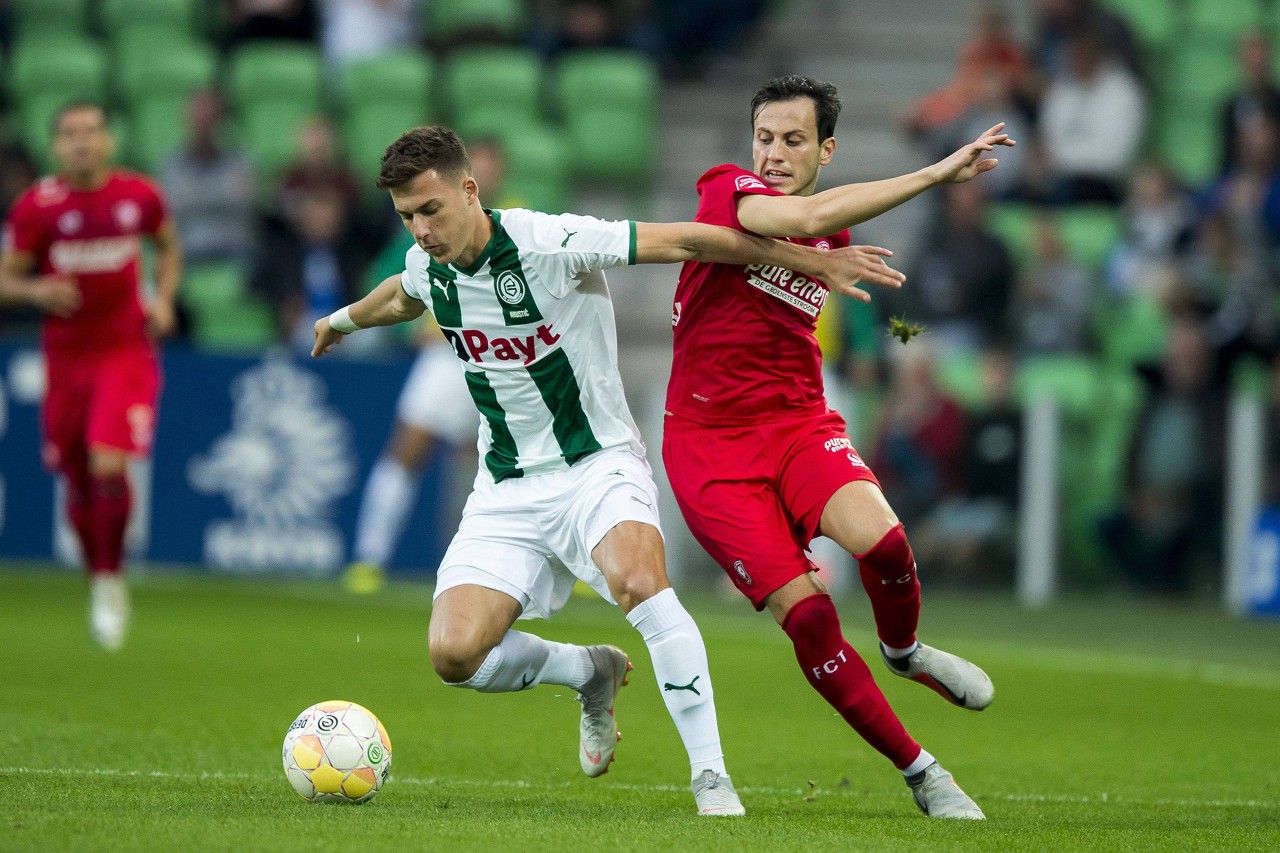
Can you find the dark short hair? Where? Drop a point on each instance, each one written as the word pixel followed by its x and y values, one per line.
pixel 76 106
pixel 826 103
pixel 422 150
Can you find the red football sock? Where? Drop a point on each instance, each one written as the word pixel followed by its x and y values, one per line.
pixel 108 517
pixel 837 672
pixel 79 504
pixel 888 573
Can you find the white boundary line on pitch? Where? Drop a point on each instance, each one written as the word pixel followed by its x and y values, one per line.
pixel 1103 798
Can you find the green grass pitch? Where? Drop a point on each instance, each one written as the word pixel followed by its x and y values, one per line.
pixel 1117 725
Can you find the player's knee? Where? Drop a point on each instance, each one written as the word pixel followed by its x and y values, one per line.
pixel 635 588
pixel 455 659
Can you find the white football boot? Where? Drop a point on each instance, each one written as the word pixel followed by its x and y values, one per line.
pixel 715 796
pixel 108 610
pixel 953 678
pixel 938 795
pixel 598 728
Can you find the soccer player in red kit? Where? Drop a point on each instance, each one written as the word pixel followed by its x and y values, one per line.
pixel 758 462
pixel 72 249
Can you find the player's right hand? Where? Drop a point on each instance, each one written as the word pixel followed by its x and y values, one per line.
pixel 58 295
pixel 854 265
pixel 326 338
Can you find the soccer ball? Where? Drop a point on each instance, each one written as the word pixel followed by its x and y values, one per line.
pixel 337 752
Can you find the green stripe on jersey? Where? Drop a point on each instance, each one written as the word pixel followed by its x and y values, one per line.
pixel 509 282
pixel 444 295
pixel 553 374
pixel 501 460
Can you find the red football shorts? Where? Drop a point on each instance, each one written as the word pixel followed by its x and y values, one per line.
pixel 753 496
pixel 105 400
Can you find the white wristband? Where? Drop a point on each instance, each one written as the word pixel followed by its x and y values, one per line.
pixel 340 321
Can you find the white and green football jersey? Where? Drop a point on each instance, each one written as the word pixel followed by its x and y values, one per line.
pixel 532 322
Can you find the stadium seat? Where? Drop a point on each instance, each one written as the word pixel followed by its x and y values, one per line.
pixel 367 130
pixel 34 18
pixel 538 170
pixel 212 285
pixel 960 376
pixel 1200 74
pixel 35 120
pixel 246 325
pixel 449 21
pixel 1222 20
pixel 1190 143
pixel 493 79
pixel 65 66
pixel 157 127
pixel 402 77
pixel 145 67
pixel 269 131
pixel 620 79
pixel 1014 223
pixel 611 146
pixel 1153 21
pixel 275 72
pixel 1072 381
pixel 1088 233
pixel 177 16
pixel 1131 331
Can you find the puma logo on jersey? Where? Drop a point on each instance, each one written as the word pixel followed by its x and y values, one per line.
pixel 473 345
pixel 567 235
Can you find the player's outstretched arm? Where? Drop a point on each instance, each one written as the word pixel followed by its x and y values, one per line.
pixel 385 305
pixel 843 207
pixel 58 295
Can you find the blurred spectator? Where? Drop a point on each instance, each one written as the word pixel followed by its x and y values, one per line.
pixel 1272 483
pixel 962 281
pixel 318 165
pixel 489 168
pixel 210 187
pixel 311 266
pixel 992 58
pixel 970 537
pixel 270 19
pixel 358 29
pixel 1091 124
pixel 1053 302
pixel 996 102
pixel 18 171
pixel 1169 527
pixel 700 36
pixel 1249 193
pixel 560 25
pixel 1257 101
pixel 1057 20
pixel 1159 223
pixel 918 458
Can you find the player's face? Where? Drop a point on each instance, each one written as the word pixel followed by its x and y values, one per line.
pixel 786 152
pixel 81 142
pixel 440 213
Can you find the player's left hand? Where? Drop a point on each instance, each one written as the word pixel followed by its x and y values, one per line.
pixel 161 318
pixel 966 164
pixel 854 265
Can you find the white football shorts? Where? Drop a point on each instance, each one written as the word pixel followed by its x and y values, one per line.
pixel 532 538
pixel 435 396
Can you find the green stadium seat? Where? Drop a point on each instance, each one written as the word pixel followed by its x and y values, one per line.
pixel 1131 331
pixel 1072 381
pixel 611 146
pixel 275 72
pixel 620 79
pixel 537 170
pixel 270 130
pixel 403 77
pixel 960 376
pixel 493 79
pixel 147 67
pixel 246 325
pixel 1154 22
pixel 65 66
pixel 35 121
pixel 1200 75
pixel 212 285
pixel 1014 223
pixel 368 129
pixel 1222 20
pixel 450 21
pixel 180 17
pixel 1189 143
pixel 157 127
pixel 36 18
pixel 1088 233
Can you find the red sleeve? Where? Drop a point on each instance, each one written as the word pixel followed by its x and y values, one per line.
pixel 719 190
pixel 22 226
pixel 155 206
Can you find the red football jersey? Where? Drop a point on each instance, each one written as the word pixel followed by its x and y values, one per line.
pixel 93 236
pixel 744 346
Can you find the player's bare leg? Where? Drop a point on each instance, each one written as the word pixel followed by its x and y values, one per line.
pixel 632 559
pixel 472 645
pixel 861 520
pixel 103 516
pixel 388 497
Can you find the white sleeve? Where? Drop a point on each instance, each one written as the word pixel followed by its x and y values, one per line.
pixel 413 267
pixel 573 245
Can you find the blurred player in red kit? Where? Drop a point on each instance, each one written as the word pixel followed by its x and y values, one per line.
pixel 72 248
pixel 758 462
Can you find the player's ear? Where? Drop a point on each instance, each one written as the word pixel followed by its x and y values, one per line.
pixel 826 150
pixel 470 189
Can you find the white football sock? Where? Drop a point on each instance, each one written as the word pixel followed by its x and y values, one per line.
pixel 923 760
pixel 522 661
pixel 388 497
pixel 899 654
pixel 680 666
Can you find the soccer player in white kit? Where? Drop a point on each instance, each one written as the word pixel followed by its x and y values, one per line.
pixel 563 491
